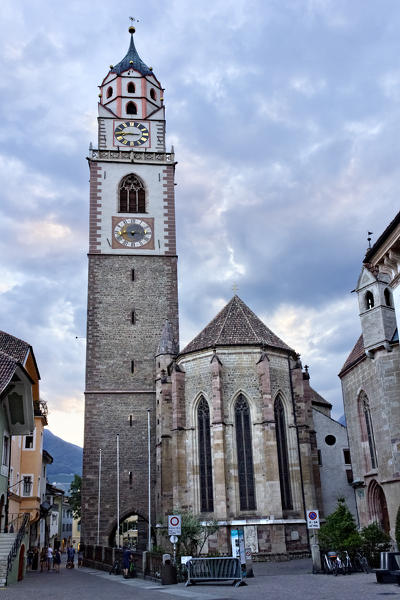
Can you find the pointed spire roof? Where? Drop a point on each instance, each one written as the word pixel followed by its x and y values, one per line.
pixel 167 343
pixel 235 325
pixel 132 60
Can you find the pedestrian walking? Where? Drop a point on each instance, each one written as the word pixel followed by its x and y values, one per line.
pixel 29 559
pixel 43 558
pixel 35 559
pixel 80 559
pixel 57 560
pixel 70 557
pixel 49 557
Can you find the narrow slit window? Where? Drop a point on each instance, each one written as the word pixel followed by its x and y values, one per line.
pixel 133 274
pixel 132 366
pixel 133 318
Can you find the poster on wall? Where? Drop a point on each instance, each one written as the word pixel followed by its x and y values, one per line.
pixel 238 548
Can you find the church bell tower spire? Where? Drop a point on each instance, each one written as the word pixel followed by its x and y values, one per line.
pixel 132 291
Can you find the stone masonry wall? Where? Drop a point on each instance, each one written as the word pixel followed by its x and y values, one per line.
pixel 379 378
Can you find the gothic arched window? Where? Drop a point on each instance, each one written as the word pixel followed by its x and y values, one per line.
pixel 131 108
pixel 283 461
pixel 131 87
pixel 369 300
pixel 132 195
pixel 370 431
pixel 244 455
pixel 205 460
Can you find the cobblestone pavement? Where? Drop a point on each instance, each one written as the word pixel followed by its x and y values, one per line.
pixel 272 581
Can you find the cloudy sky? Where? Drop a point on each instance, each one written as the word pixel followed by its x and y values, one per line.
pixel 284 115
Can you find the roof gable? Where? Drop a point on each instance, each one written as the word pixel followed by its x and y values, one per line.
pixel 355 355
pixel 235 325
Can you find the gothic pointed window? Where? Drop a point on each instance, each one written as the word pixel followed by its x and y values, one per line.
pixel 282 448
pixel 132 195
pixel 244 455
pixel 131 108
pixel 205 460
pixel 370 432
pixel 367 432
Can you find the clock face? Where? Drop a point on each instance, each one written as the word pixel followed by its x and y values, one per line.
pixel 131 133
pixel 132 233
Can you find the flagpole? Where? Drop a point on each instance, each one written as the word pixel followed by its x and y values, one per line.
pixel 117 532
pixel 98 501
pixel 149 478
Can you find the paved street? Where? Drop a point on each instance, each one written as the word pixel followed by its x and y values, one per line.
pixel 273 581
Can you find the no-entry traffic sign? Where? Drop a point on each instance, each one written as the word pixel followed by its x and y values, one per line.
pixel 174 524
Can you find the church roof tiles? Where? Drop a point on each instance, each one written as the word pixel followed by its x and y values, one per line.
pixel 235 325
pixel 355 355
pixel 132 60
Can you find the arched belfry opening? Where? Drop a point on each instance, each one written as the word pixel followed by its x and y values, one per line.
pixel 369 300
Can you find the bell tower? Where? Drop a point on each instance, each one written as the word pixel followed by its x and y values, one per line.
pixel 132 291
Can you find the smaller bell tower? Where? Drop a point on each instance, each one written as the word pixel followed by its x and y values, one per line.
pixel 376 309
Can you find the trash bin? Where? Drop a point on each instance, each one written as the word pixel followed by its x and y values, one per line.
pixel 168 574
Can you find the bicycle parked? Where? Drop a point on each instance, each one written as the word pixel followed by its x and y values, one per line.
pixel 361 563
pixel 333 563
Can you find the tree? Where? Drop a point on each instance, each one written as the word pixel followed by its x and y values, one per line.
pixel 374 541
pixel 194 533
pixel 397 530
pixel 340 533
pixel 75 496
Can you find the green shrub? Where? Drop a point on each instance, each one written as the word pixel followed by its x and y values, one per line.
pixel 340 533
pixel 397 529
pixel 374 541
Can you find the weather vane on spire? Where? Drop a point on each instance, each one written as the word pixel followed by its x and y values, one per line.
pixel 132 20
pixel 369 238
pixel 235 288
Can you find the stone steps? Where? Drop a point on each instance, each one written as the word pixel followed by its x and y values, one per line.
pixel 6 543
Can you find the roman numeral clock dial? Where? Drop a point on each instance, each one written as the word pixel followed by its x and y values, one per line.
pixel 131 133
pixel 133 233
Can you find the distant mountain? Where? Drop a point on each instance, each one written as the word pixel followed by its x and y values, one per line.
pixel 67 460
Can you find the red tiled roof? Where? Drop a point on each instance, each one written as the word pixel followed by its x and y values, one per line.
pixel 355 355
pixel 235 325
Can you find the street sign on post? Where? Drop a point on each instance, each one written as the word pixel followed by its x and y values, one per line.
pixel 313 519
pixel 174 525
